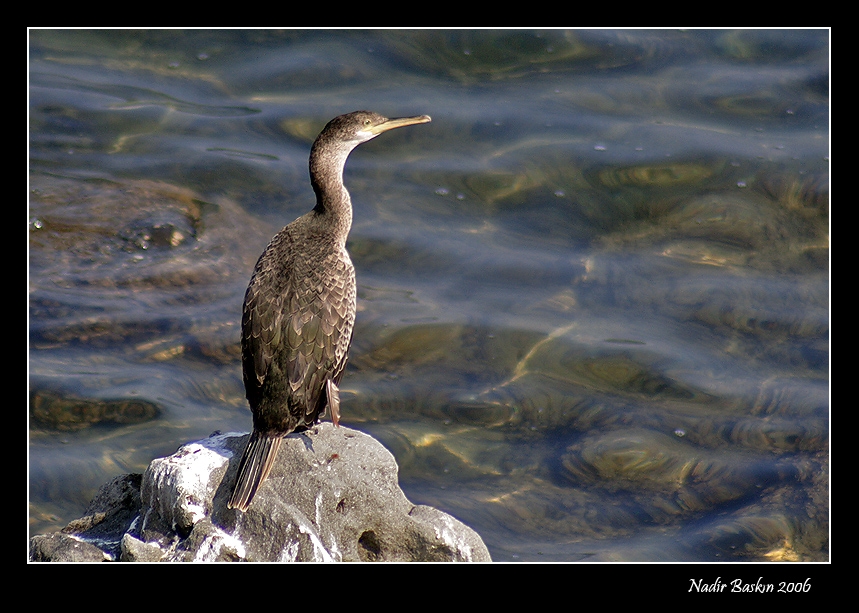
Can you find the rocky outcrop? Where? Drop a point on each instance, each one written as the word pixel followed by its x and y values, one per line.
pixel 332 495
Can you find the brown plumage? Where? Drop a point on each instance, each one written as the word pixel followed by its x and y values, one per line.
pixel 299 307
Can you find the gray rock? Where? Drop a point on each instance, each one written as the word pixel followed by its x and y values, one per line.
pixel 332 495
pixel 60 547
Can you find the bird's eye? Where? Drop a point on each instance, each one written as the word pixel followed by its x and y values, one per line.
pixel 366 122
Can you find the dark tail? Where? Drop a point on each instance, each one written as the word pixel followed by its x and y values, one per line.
pixel 254 468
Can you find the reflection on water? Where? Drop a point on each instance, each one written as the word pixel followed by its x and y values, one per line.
pixel 593 297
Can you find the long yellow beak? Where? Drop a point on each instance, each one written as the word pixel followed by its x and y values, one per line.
pixel 398 122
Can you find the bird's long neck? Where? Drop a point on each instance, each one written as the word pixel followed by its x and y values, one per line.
pixel 327 160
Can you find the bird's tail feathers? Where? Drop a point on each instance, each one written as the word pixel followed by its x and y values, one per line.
pixel 254 468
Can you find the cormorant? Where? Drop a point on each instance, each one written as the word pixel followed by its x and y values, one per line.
pixel 299 307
